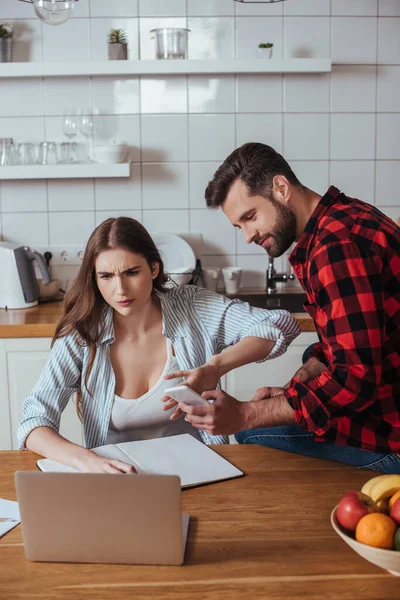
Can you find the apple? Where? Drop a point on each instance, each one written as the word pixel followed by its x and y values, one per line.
pixel 352 507
pixel 395 511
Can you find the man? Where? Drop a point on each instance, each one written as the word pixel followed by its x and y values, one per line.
pixel 347 259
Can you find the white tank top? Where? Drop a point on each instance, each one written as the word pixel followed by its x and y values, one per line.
pixel 143 418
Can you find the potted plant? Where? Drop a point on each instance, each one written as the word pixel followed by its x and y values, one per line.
pixel 6 33
pixel 265 50
pixel 117 45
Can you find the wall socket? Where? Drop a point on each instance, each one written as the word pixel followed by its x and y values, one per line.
pixel 64 255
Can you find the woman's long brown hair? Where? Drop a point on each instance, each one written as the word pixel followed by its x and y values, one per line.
pixel 84 306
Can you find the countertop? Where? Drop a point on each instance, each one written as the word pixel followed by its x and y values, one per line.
pixel 40 321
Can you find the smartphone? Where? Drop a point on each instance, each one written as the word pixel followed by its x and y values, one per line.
pixel 183 393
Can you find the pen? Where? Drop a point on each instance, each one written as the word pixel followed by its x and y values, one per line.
pixel 7 520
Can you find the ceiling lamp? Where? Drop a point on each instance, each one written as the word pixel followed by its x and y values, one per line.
pixel 53 12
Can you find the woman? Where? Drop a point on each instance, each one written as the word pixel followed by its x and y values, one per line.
pixel 124 338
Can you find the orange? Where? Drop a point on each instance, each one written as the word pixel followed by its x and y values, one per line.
pixel 393 499
pixel 376 529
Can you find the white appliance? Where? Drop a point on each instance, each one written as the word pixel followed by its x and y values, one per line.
pixel 18 284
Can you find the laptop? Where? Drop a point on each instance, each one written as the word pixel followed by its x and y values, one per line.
pixel 102 518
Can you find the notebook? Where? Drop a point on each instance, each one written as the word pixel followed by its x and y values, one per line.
pixel 182 455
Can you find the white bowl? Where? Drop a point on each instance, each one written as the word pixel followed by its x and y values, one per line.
pixel 111 153
pixel 180 277
pixel 386 559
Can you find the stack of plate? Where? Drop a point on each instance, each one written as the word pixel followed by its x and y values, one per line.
pixel 178 257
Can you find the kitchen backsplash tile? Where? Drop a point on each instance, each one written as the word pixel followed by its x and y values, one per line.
pixel 29 195
pixel 121 193
pixel 211 137
pixel 105 8
pixel 163 94
pixel 354 40
pixel 306 136
pixel 345 144
pixel 306 93
pixel 175 221
pixel 164 138
pixel 211 94
pixel 346 78
pixel 259 93
pixel 388 136
pixel 165 185
pixel 68 43
pixel 387 177
pixel 73 194
pixel 30 228
pixel 14 94
pixel 265 128
pixel 363 8
pixel 70 228
pixel 341 128
pixel 200 173
pixel 356 178
pixel 250 31
pixel 308 8
pixel 306 38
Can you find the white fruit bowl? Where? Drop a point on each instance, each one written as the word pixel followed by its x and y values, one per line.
pixel 386 559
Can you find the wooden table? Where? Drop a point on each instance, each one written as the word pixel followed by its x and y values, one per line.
pixel 266 535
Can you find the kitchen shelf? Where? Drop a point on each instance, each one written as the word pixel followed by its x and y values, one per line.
pixel 164 67
pixel 80 171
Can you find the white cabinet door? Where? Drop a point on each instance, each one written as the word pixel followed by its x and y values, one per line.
pixel 5 426
pixel 25 359
pixel 243 382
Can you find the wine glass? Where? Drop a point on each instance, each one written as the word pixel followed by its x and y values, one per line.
pixel 87 127
pixel 70 129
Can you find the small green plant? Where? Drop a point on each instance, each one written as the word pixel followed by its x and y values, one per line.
pixel 267 45
pixel 117 36
pixel 5 31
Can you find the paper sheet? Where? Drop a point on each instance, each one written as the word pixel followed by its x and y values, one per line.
pixel 8 510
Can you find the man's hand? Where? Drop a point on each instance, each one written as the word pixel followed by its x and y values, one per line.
pixel 267 392
pixel 312 369
pixel 224 416
pixel 199 379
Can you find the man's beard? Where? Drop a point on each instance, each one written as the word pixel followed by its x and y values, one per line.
pixel 284 233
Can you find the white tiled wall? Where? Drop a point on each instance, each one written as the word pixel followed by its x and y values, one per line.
pixel 341 128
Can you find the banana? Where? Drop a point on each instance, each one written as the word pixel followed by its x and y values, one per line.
pixel 366 488
pixel 383 505
pixel 384 487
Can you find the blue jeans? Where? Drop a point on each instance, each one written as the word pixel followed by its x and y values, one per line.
pixel 293 438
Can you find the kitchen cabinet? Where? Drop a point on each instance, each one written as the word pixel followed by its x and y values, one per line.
pixel 243 382
pixel 21 362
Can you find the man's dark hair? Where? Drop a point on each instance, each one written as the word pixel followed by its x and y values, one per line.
pixel 256 165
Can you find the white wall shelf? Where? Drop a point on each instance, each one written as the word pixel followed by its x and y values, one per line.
pixel 164 67
pixel 79 171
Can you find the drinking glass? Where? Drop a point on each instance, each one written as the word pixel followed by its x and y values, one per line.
pixel 27 154
pixel 48 153
pixel 7 152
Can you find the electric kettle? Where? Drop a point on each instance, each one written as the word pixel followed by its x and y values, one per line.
pixel 18 283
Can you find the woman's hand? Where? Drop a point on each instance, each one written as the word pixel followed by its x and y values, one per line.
pixel 93 463
pixel 202 379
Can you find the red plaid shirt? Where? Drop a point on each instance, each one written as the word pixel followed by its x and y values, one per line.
pixel 348 262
